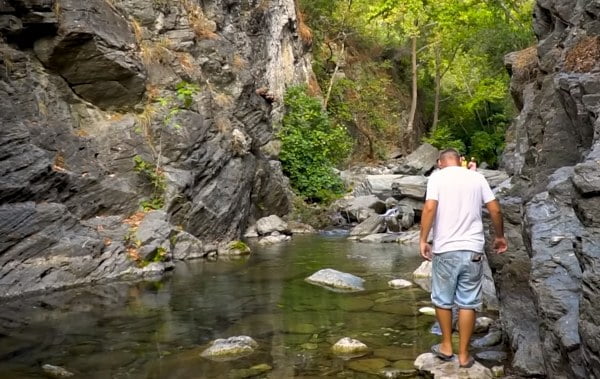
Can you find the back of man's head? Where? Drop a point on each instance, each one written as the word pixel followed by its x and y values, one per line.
pixel 449 157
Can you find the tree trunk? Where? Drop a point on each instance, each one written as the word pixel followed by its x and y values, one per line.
pixel 335 71
pixel 438 80
pixel 408 133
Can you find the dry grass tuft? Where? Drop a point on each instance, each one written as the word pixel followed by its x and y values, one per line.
pixel 222 124
pixel 584 56
pixel 222 100
pixel 138 32
pixel 187 63
pixel 238 63
pixel 202 26
pixel 156 51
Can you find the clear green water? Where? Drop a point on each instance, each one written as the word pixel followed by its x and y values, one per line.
pixel 158 329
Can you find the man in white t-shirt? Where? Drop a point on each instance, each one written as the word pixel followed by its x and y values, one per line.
pixel 453 205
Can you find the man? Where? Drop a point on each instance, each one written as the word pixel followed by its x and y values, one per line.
pixel 453 204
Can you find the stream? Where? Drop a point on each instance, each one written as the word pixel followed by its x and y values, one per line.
pixel 157 329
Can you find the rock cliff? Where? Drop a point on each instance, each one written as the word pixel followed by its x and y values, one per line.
pixel 190 89
pixel 548 281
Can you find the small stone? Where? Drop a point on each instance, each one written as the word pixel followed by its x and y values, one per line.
pixel 230 348
pixel 482 324
pixel 56 371
pixel 498 371
pixel 399 283
pixel 429 311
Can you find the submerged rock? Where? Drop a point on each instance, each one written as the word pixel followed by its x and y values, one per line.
pixel 56 371
pixel 249 372
pixel 230 348
pixel 349 346
pixel 399 283
pixel 334 279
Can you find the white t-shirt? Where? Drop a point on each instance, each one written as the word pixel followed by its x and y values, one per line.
pixel 460 195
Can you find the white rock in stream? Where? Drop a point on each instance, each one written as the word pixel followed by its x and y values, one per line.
pixel 349 345
pixel 423 271
pixel 427 311
pixel 230 348
pixel 399 283
pixel 334 279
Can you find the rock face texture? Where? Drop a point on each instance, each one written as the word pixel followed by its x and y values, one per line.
pixel 547 280
pixel 192 89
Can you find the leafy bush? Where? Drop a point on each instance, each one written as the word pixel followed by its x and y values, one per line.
pixel 311 147
pixel 443 138
pixel 156 178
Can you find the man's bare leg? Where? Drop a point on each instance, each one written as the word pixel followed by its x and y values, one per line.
pixel 444 317
pixel 466 324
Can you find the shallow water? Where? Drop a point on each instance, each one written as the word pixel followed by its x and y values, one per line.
pixel 157 329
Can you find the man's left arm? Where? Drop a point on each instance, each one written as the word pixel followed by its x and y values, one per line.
pixel 427 216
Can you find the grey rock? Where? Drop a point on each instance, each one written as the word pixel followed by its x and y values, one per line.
pixel 273 239
pixel 270 224
pixel 360 208
pixel 378 185
pixel 493 338
pixel 493 356
pixel 410 186
pixel 186 246
pixel 419 162
pixel 336 280
pixel 434 367
pixel 94 53
pixel 56 371
pixel 372 225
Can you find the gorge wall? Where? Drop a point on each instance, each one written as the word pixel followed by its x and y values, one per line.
pixel 85 87
pixel 548 282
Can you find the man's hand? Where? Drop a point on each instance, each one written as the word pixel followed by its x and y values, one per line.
pixel 425 250
pixel 500 245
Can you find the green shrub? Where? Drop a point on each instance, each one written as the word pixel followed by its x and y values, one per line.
pixel 443 138
pixel 156 178
pixel 487 147
pixel 311 147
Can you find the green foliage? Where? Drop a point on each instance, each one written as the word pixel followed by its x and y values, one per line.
pixel 156 178
pixel 311 147
pixel 442 138
pixel 186 92
pixel 463 42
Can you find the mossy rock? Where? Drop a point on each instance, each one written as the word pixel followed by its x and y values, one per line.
pixel 249 372
pixel 355 304
pixel 368 366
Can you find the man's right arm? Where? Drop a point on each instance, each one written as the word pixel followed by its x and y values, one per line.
pixel 500 245
pixel 427 215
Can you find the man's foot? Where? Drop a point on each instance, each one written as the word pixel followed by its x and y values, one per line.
pixel 468 363
pixel 436 350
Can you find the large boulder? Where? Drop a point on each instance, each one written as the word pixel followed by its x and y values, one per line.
pixel 358 209
pixel 419 162
pixel 410 186
pixel 372 225
pixel 378 185
pixel 94 51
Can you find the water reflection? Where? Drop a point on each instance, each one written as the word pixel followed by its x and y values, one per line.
pixel 158 329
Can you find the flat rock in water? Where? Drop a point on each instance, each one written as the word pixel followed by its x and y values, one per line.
pixel 437 368
pixel 427 311
pixel 336 280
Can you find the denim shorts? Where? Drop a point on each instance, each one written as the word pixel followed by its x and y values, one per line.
pixel 456 279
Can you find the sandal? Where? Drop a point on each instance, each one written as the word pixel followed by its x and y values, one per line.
pixel 469 364
pixel 435 349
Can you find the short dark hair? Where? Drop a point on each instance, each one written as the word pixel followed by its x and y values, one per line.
pixel 448 153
